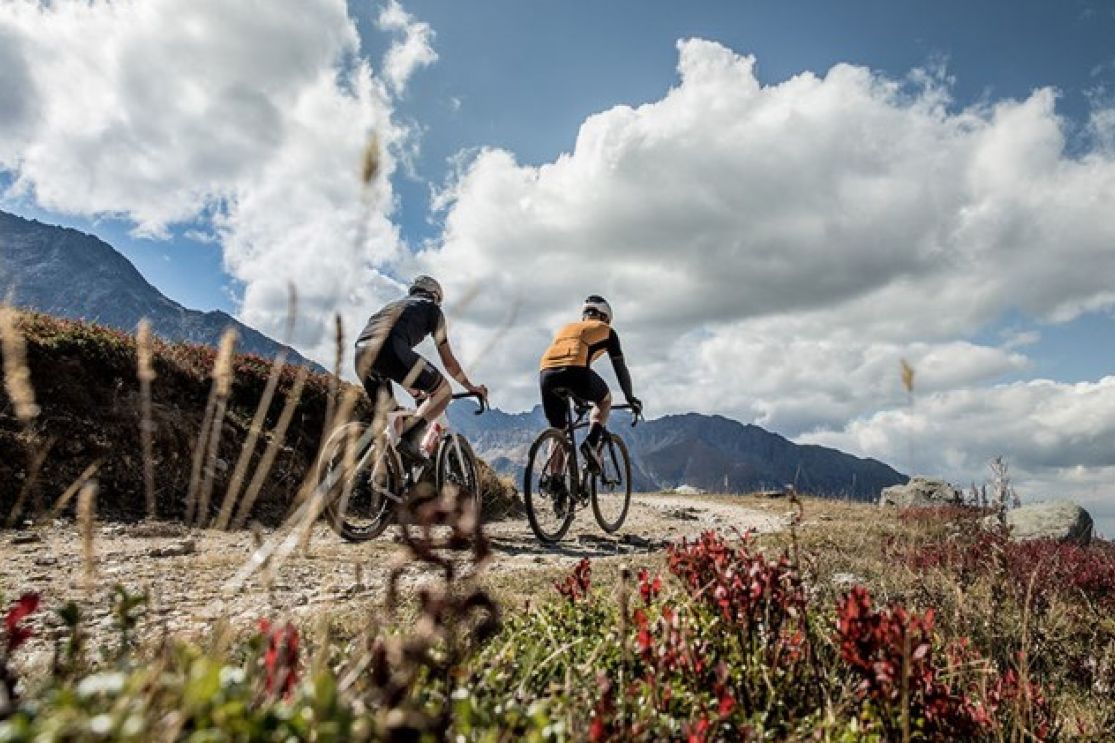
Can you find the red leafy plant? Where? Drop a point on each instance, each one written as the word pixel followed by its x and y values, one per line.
pixel 576 585
pixel 763 598
pixel 15 634
pixel 281 658
pixel 890 650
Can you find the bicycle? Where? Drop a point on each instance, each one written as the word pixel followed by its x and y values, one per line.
pixel 379 479
pixel 609 491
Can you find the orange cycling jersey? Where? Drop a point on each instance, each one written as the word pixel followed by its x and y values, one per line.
pixel 581 343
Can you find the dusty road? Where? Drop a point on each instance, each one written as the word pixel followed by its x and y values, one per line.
pixel 191 575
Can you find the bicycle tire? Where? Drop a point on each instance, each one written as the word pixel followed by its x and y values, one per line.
pixel 618 462
pixel 379 510
pixel 535 501
pixel 456 465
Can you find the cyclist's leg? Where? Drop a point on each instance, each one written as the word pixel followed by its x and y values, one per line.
pixel 592 388
pixel 422 376
pixel 377 385
pixel 556 408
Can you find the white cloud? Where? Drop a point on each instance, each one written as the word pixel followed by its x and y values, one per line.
pixel 1056 436
pixel 773 251
pixel 251 116
pixel 413 50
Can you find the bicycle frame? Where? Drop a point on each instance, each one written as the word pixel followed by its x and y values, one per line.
pixel 392 436
pixel 573 425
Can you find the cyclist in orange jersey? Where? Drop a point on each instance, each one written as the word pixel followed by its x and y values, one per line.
pixel 565 367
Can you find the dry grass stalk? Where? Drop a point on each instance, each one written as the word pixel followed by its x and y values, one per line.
pixel 86 514
pixel 335 378
pixel 246 451
pixel 319 496
pixel 199 454
pixel 347 467
pixel 17 383
pixel 307 508
pixel 17 375
pixel 73 488
pixel 371 161
pixel 257 543
pixel 222 385
pixel 907 376
pixel 36 457
pixel 145 355
pixel 267 461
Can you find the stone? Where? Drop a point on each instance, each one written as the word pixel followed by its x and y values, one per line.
pixel 26 538
pixel 683 514
pixel 846 579
pixel 921 492
pixel 177 549
pixel 1062 520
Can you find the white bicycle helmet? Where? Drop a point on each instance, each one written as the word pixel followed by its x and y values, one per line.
pixel 427 285
pixel 596 303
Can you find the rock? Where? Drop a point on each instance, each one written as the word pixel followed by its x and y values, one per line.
pixel 1062 520
pixel 921 492
pixel 46 561
pixel 846 579
pixel 683 514
pixel 177 549
pixel 26 538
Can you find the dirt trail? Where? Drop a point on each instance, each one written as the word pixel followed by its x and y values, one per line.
pixel 190 591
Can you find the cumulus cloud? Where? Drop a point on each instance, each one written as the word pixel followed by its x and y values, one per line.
pixel 773 251
pixel 413 49
pixel 250 118
pixel 1056 436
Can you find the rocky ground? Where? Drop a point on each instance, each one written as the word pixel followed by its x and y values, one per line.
pixel 195 578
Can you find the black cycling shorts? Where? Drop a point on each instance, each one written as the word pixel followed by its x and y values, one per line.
pixel 397 362
pixel 580 381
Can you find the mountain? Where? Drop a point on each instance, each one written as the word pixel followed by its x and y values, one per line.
pixel 710 452
pixel 64 272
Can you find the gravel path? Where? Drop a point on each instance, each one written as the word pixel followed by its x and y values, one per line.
pixel 191 573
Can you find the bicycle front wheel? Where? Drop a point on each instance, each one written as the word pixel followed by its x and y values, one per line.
pixel 611 489
pixel 361 483
pixel 456 467
pixel 548 484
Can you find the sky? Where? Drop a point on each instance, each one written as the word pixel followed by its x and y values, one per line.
pixel 782 201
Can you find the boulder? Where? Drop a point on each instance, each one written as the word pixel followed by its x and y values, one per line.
pixel 1062 520
pixel 920 492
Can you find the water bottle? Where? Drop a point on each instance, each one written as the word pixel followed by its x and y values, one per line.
pixel 433 435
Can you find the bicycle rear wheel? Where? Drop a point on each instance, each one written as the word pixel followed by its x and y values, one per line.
pixel 359 503
pixel 456 467
pixel 548 498
pixel 611 489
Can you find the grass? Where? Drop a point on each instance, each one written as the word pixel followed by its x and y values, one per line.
pixel 719 639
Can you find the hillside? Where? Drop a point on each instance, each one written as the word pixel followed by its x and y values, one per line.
pixel 84 378
pixel 710 452
pixel 67 273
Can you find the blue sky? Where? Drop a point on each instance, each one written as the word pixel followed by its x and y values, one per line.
pixel 783 200
pixel 572 59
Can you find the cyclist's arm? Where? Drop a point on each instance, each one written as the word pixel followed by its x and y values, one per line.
pixel 615 353
pixel 449 360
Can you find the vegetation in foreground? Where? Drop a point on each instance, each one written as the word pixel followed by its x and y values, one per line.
pixel 946 633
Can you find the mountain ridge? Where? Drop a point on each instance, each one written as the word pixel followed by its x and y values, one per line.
pixel 712 452
pixel 39 267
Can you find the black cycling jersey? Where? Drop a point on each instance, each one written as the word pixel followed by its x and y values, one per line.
pixel 384 350
pixel 407 320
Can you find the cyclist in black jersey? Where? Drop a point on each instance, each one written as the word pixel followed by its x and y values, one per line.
pixel 385 354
